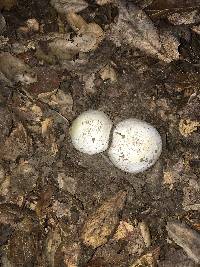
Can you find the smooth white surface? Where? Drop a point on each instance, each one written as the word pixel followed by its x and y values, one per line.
pixel 136 146
pixel 90 132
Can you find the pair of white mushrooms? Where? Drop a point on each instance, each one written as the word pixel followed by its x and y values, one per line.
pixel 135 144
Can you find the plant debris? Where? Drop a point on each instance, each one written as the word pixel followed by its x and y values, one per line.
pixel 129 59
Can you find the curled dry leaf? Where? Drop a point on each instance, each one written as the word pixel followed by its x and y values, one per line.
pixel 108 72
pixel 65 6
pixel 15 69
pixel 75 21
pixel 101 224
pixel 136 29
pixel 186 238
pixel 89 37
pixel 63 49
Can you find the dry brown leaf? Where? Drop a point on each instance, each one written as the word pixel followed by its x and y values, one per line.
pixel 136 29
pixel 145 232
pixel 103 2
pixel 52 243
pixel 186 238
pixel 188 17
pixel 147 260
pixel 17 144
pixel 57 99
pixel 124 229
pixel 108 72
pixel 75 21
pixel 68 254
pixel 101 224
pixel 187 127
pixel 89 37
pixel 63 49
pixel 170 44
pixel 64 6
pixel 15 69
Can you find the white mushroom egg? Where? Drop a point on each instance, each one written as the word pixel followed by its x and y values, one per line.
pixel 90 132
pixel 136 146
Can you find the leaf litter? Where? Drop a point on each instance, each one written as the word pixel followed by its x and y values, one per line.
pixel 135 58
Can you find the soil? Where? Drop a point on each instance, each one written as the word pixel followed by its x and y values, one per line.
pixel 49 189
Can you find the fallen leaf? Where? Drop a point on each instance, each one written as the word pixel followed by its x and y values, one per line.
pixel 124 230
pixel 64 6
pixel 101 224
pixel 15 69
pixel 187 127
pixel 186 238
pixel 136 29
pixel 108 72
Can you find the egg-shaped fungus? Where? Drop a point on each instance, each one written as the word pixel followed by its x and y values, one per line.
pixel 136 146
pixel 90 132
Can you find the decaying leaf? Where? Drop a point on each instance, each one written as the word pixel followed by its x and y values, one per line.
pixel 108 72
pixel 104 2
pixel 58 100
pixel 186 238
pixel 89 37
pixel 170 44
pixel 148 260
pixel 68 254
pixel 63 49
pixel 176 258
pixel 22 249
pixel 145 232
pixel 191 198
pixel 75 21
pixel 136 29
pixel 101 224
pixel 52 243
pixel 5 123
pixel 17 144
pixel 187 127
pixel 123 231
pixel 15 69
pixel 188 17
pixel 65 6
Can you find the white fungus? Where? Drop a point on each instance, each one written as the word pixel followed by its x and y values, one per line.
pixel 90 132
pixel 136 146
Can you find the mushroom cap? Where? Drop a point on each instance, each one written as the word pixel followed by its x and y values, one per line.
pixel 136 146
pixel 90 132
